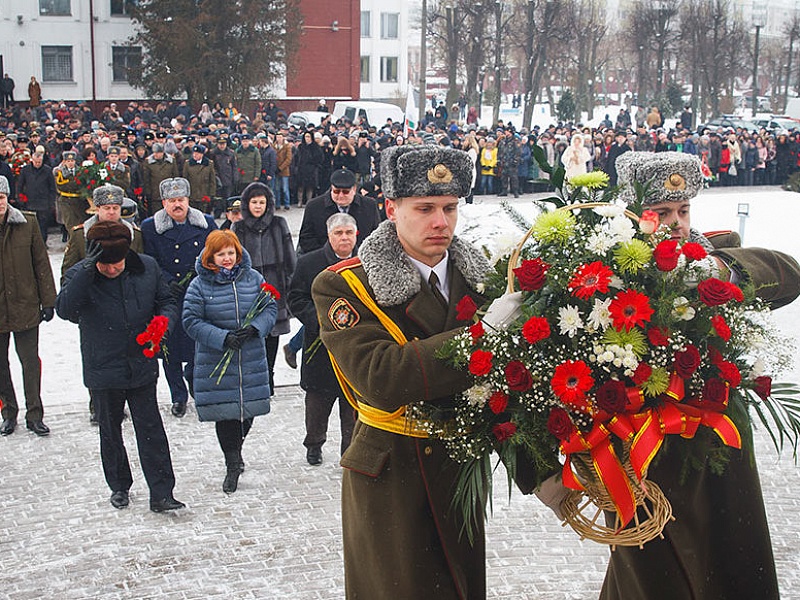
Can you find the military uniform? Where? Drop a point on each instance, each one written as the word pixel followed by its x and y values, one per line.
pixel 119 176
pixel 71 205
pixel 155 171
pixel 203 182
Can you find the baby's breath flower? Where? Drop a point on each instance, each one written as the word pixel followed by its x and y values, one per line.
pixel 632 256
pixel 554 227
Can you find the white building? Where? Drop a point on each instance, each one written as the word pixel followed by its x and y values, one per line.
pixel 384 49
pixel 74 55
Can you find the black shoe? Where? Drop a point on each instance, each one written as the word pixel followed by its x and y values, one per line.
pixel 165 504
pixel 291 358
pixel 119 499
pixel 8 426
pixel 38 427
pixel 314 456
pixel 179 409
pixel 231 481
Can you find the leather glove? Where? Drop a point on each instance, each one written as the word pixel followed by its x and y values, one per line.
pixel 93 252
pixel 245 333
pixel 232 341
pixel 176 289
pixel 552 493
pixel 503 311
pixel 48 313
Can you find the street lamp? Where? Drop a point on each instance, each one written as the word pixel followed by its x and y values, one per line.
pixel 759 20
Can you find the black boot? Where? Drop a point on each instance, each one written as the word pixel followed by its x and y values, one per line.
pixel 235 467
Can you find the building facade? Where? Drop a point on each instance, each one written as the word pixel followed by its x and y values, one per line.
pixel 384 37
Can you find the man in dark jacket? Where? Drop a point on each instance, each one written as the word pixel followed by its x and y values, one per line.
pixel 113 294
pixel 340 198
pixel 316 373
pixel 37 185
pixel 175 236
pixel 269 161
pixel 29 293
pixel 225 165
pixel 618 148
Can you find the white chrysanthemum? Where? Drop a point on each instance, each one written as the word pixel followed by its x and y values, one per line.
pixel 682 309
pixel 599 243
pixel 502 244
pixel 622 229
pixel 600 317
pixel 609 211
pixel 569 320
pixel 87 163
pixel 477 395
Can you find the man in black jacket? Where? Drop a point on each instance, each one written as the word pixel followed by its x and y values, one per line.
pixel 316 373
pixel 37 185
pixel 113 294
pixel 340 198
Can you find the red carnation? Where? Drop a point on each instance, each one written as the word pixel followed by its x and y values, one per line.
pixel 629 309
pixel 531 274
pixel 536 329
pixel 694 251
pixel 666 255
pixel 658 336
pixel 589 279
pixel 642 373
pixel 480 362
pixel 721 327
pixel 504 431
pixel 518 377
pixel 465 309
pixel 687 361
pixel 715 392
pixel 477 331
pixel 571 380
pixel 763 386
pixel 736 292
pixel 560 424
pixel 714 292
pixel 730 373
pixel 714 356
pixel 611 396
pixel 498 402
pixel 270 290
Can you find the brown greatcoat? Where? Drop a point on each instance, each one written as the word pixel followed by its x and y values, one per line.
pixel 26 280
pixel 401 536
pixel 719 546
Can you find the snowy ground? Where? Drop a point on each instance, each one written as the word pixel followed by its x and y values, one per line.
pixel 278 536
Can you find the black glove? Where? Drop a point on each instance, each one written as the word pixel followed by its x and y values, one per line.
pixel 48 313
pixel 232 341
pixel 93 252
pixel 176 289
pixel 246 332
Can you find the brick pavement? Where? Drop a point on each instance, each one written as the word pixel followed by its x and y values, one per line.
pixel 277 537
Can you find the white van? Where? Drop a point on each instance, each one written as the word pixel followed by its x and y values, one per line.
pixel 376 112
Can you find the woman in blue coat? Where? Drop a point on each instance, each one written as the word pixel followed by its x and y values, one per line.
pixel 214 311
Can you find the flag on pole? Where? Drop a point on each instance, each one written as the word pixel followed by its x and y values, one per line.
pixel 411 112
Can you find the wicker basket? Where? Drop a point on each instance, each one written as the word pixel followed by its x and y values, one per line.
pixel 586 511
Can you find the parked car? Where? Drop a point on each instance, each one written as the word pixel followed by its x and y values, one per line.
pixel 727 121
pixel 778 124
pixel 376 113
pixel 302 118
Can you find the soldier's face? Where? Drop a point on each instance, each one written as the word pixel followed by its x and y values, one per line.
pixel 425 225
pixel 3 204
pixel 676 215
pixel 109 212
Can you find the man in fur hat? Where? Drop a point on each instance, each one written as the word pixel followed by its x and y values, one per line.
pixel 402 538
pixel 719 544
pixel 174 236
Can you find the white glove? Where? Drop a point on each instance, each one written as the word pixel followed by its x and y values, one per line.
pixel 503 311
pixel 552 493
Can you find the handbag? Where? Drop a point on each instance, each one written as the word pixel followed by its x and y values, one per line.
pixel 732 170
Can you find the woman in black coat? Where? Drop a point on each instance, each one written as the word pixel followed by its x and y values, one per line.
pixel 309 162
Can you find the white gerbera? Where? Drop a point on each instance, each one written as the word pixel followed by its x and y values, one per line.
pixel 569 320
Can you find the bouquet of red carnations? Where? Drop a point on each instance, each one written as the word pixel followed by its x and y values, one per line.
pixel 152 337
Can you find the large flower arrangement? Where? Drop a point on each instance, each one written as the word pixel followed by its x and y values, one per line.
pixel 626 337
pixel 90 176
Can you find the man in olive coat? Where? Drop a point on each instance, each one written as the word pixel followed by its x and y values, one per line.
pixel 28 295
pixel 199 172
pixel 402 538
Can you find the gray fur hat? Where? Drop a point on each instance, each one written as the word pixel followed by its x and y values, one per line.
pixel 409 171
pixel 4 187
pixel 673 176
pixel 108 194
pixel 175 187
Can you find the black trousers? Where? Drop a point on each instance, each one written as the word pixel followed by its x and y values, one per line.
pixel 151 439
pixel 272 343
pixel 318 410
pixel 27 346
pixel 231 434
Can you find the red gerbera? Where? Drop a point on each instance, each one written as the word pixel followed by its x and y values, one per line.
pixel 465 309
pixel 536 329
pixel 589 279
pixel 694 251
pixel 721 327
pixel 571 380
pixel 630 309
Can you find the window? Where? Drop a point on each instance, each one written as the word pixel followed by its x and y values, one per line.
pixel 59 8
pixel 120 8
pixel 365 69
pixel 389 25
pixel 125 59
pixel 366 30
pixel 57 63
pixel 389 68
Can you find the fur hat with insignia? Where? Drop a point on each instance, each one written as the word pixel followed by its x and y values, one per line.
pixel 411 171
pixel 107 194
pixel 672 176
pixel 175 187
pixel 4 187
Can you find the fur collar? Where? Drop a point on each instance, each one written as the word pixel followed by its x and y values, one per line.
pixel 163 222
pixel 152 160
pixel 15 216
pixel 87 224
pixel 395 279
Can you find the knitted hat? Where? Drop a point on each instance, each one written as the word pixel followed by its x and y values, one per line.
pixel 113 237
pixel 411 171
pixel 673 176
pixel 107 194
